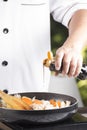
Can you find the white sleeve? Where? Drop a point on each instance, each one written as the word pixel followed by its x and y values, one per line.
pixel 63 10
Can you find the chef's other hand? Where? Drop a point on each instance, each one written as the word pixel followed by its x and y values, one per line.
pixel 70 59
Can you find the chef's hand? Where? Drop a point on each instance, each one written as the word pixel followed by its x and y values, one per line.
pixel 70 53
pixel 70 58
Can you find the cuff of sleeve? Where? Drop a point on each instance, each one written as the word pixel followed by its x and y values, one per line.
pixel 68 15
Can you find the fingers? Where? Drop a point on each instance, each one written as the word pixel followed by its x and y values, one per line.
pixel 66 64
pixel 72 68
pixel 75 67
pixel 71 63
pixel 58 60
pixel 78 68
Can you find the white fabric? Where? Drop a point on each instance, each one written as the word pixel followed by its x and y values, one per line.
pixel 65 85
pixel 26 44
pixel 63 10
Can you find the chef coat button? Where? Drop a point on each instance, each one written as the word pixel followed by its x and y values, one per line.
pixel 5 91
pixel 5 30
pixel 4 63
pixel 5 0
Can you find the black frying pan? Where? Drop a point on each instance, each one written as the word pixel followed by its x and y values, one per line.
pixel 41 116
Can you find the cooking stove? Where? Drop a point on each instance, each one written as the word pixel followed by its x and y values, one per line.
pixel 77 122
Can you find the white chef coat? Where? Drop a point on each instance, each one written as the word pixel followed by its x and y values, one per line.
pixel 25 40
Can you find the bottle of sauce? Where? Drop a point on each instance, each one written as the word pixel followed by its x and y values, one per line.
pixel 50 63
pixel 82 75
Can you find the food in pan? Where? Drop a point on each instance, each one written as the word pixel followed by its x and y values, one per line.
pixel 18 102
pixel 13 102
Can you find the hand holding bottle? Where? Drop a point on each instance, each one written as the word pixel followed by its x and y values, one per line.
pixel 50 63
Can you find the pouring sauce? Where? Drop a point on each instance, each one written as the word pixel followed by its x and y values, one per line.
pixel 50 63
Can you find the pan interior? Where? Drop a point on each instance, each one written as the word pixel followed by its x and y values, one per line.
pixel 41 116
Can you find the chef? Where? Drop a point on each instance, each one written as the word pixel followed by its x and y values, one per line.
pixel 25 40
